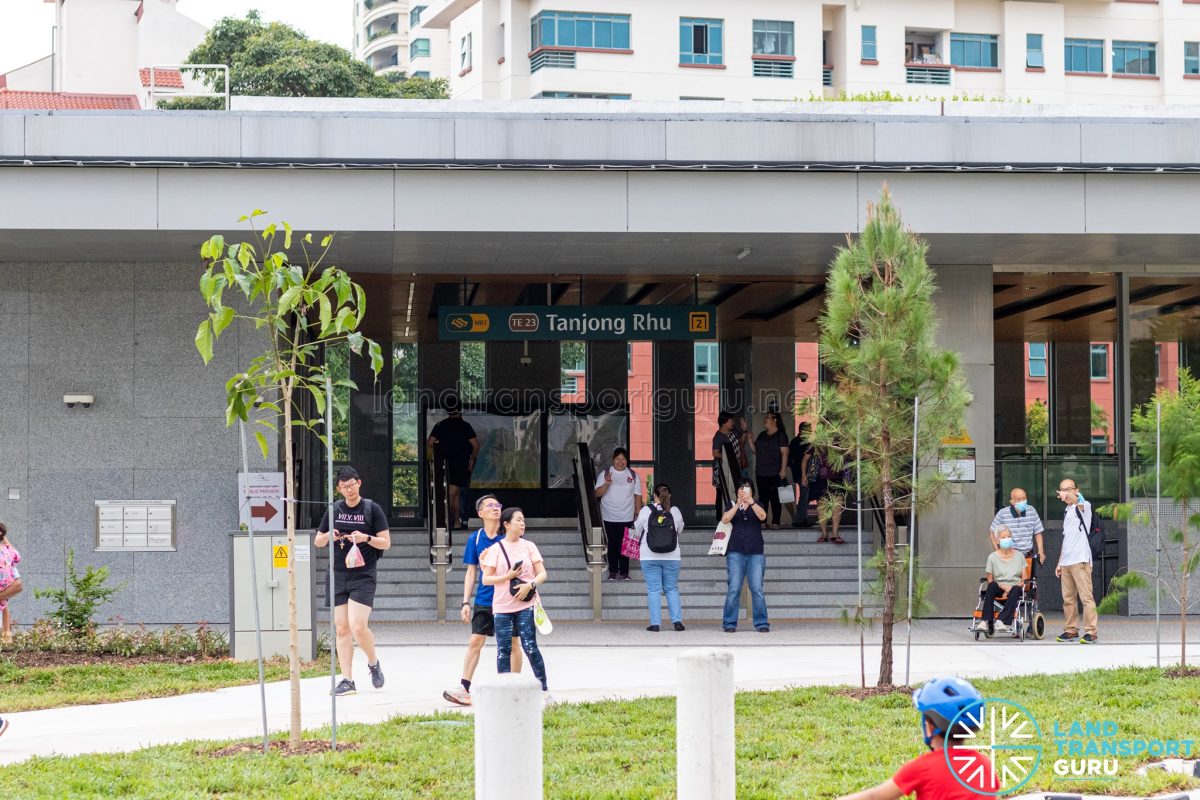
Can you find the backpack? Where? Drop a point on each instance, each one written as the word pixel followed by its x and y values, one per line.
pixel 660 531
pixel 1095 534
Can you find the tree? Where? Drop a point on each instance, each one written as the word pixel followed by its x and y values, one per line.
pixel 877 339
pixel 272 59
pixel 1099 419
pixel 1037 424
pixel 1179 477
pixel 302 308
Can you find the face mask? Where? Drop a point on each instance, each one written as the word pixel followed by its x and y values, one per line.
pixel 1021 505
pixel 1006 544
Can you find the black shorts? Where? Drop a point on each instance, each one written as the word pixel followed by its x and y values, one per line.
pixel 483 622
pixel 458 474
pixel 356 584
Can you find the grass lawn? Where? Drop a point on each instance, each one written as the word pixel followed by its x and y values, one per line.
pixel 802 743
pixel 29 688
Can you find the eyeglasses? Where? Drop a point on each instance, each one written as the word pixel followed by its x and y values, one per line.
pixel 496 506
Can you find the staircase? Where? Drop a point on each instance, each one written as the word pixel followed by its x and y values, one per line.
pixel 804 580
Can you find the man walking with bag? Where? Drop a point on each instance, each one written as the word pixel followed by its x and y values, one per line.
pixel 1075 566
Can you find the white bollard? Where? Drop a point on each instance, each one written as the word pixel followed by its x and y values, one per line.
pixel 704 726
pixel 508 738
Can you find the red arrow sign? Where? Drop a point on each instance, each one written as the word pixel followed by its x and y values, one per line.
pixel 266 512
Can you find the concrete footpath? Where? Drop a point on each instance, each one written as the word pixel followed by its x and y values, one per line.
pixel 585 661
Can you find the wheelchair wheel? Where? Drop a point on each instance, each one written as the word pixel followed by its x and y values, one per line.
pixel 1039 626
pixel 977 635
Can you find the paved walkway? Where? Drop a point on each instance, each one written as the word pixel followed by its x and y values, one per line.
pixel 585 662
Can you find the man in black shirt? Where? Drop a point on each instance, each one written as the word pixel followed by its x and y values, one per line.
pixel 454 440
pixel 357 522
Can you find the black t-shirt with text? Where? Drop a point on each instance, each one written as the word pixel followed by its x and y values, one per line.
pixel 366 517
pixel 454 435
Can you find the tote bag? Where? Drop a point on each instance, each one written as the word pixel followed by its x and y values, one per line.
pixel 720 542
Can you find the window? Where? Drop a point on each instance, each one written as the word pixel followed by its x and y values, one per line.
pixel 774 38
pixel 1099 444
pixel 629 357
pixel 414 16
pixel 418 48
pixel 708 362
pixel 1134 58
pixel 464 52
pixel 1033 51
pixel 568 29
pixel 870 52
pixel 579 96
pixel 974 50
pixel 701 41
pixel 1191 58
pixel 1037 359
pixel 1099 362
pixel 422 74
pixel 1085 55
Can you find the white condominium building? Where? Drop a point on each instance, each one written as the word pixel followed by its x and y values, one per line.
pixel 384 38
pixel 1142 52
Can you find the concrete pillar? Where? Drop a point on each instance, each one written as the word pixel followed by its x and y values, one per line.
pixel 508 738
pixel 674 421
pixel 607 374
pixel 704 726
pixel 371 428
pixel 1071 400
pixel 735 362
pixel 438 365
pixel 1010 392
pixel 773 382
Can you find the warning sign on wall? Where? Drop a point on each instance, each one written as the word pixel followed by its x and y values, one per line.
pixel 279 556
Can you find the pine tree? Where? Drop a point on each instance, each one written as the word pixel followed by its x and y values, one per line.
pixel 877 341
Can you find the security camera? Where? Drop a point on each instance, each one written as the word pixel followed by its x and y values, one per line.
pixel 526 361
pixel 84 400
pixel 804 377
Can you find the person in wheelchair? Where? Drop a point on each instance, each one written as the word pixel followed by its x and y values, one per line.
pixel 1005 576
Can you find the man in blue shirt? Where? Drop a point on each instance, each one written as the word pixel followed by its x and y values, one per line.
pixel 478 613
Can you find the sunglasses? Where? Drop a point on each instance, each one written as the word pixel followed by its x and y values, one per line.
pixel 496 506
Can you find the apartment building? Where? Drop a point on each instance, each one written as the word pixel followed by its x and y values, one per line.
pixel 383 38
pixel 1129 52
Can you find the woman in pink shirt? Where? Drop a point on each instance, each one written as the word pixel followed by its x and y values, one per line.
pixel 515 567
pixel 9 575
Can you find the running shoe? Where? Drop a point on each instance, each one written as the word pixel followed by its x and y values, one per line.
pixel 679 626
pixel 344 688
pixel 459 696
pixel 1087 638
pixel 1067 636
pixel 652 628
pixel 376 675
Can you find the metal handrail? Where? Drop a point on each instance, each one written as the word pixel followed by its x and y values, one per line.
pixel 224 68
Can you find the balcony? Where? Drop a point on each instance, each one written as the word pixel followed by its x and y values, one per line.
pixel 380 32
pixel 371 5
pixel 927 74
pixel 551 59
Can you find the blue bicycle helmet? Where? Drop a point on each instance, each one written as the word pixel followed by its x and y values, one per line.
pixel 942 699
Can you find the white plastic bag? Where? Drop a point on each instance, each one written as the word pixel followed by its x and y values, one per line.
pixel 720 540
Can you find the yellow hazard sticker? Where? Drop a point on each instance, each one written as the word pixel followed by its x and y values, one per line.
pixel 279 555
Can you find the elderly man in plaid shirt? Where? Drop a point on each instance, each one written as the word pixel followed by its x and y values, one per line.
pixel 1023 522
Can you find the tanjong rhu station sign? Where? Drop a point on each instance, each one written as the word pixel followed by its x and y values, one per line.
pixel 577 323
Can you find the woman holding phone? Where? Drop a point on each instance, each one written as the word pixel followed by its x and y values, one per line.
pixel 515 567
pixel 745 561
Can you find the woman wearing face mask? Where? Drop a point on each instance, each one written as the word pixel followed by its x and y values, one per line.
pixel 1005 573
pixel 1023 524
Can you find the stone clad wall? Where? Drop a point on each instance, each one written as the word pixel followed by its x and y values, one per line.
pixel 1141 543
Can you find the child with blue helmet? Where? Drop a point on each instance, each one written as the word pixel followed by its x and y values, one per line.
pixel 951 711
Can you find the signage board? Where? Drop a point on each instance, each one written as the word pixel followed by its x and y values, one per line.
pixel 261 503
pixel 577 323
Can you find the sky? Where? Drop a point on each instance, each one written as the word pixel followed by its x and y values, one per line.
pixel 25 25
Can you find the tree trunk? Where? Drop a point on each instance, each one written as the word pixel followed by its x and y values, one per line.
pixel 889 568
pixel 289 482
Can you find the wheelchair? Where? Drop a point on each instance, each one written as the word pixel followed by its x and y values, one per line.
pixel 1028 621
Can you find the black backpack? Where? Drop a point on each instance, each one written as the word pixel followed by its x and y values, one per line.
pixel 1095 534
pixel 660 531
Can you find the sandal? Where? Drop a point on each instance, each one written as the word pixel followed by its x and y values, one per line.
pixel 838 540
pixel 821 539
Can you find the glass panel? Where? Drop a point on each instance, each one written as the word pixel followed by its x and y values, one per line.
pixel 1099 362
pixel 406 488
pixel 583 33
pixel 685 43
pixel 472 373
pixel 716 48
pixel 601 432
pixel 573 372
pixel 405 444
pixel 338 359
pixel 700 39
pixel 603 36
pixel 566 32
pixel 510 449
pixel 621 34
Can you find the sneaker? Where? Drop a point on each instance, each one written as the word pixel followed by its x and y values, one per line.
pixel 730 630
pixel 1087 638
pixel 1000 626
pixel 764 629
pixel 652 628
pixel 612 576
pixel 1067 636
pixel 625 578
pixel 344 688
pixel 679 626
pixel 459 696
pixel 376 675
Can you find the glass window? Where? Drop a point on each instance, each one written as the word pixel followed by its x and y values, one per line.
pixel 1085 55
pixel 1134 58
pixel 414 15
pixel 569 29
pixel 701 41
pixel 418 48
pixel 974 50
pixel 423 74
pixel 572 369
pixel 1191 58
pixel 708 362
pixel 580 95
pixel 464 52
pixel 337 357
pixel 1099 362
pixel 1099 444
pixel 406 446
pixel 1037 359
pixel 870 52
pixel 1033 50
pixel 472 371
pixel 774 38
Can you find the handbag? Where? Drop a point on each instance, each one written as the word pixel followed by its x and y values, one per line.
pixel 631 545
pixel 354 557
pixel 720 542
pixel 514 584
pixel 787 493
pixel 541 620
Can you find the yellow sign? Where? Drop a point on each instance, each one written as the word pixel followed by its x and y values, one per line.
pixel 280 556
pixel 469 323
pixel 962 440
pixel 698 322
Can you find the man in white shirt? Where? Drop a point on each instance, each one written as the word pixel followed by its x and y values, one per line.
pixel 1075 566
pixel 619 490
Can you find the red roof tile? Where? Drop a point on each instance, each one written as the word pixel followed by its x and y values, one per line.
pixel 163 78
pixel 10 99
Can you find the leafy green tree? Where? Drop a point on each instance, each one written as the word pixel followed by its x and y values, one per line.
pixel 1099 418
pixel 272 59
pixel 877 339
pixel 417 88
pixel 1037 424
pixel 1179 477
pixel 472 372
pixel 303 308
